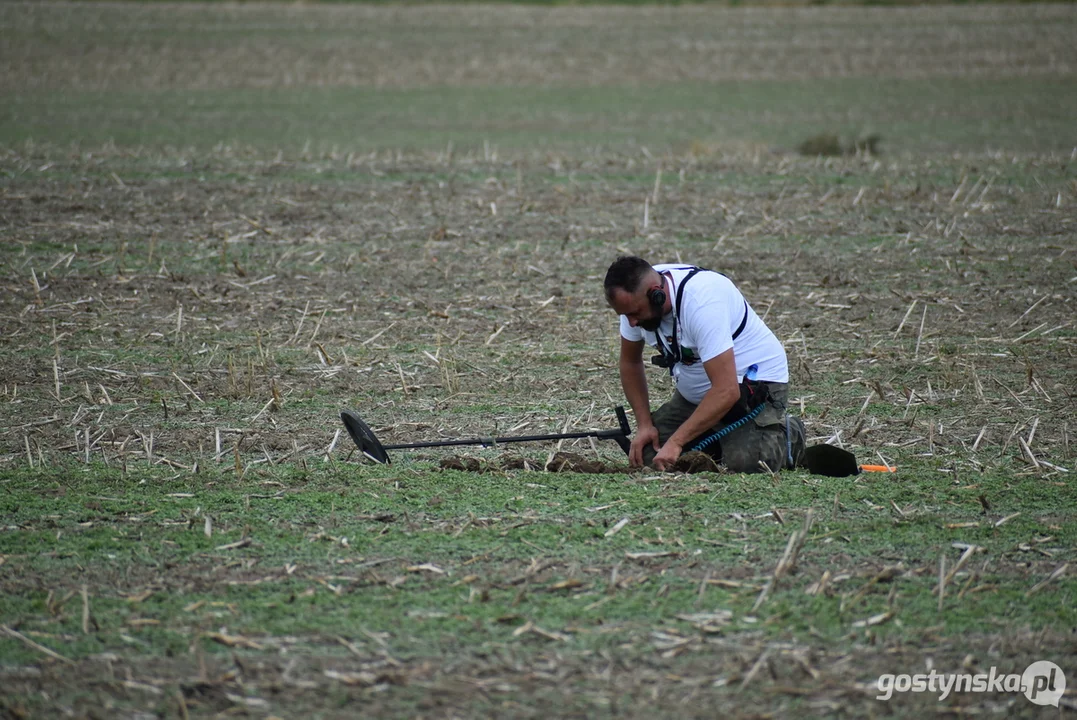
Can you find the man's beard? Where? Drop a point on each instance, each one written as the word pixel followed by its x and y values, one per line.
pixel 652 324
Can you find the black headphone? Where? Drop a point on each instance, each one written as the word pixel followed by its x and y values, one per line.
pixel 657 296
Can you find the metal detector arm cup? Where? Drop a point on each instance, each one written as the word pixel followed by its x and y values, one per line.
pixel 620 435
pixel 626 430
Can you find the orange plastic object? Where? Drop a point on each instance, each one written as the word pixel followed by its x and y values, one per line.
pixel 877 468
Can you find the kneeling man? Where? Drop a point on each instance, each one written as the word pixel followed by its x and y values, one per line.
pixel 730 371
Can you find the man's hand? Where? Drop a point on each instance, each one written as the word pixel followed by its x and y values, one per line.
pixel 667 455
pixel 724 391
pixel 643 437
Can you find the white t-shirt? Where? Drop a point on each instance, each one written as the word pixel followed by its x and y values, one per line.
pixel 713 310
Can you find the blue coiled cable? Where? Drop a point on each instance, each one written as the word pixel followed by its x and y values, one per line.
pixel 718 435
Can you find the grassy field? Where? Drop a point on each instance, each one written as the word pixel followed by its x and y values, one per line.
pixel 222 224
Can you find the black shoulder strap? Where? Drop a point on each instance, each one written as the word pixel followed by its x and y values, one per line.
pixel 680 288
pixel 743 322
pixel 675 347
pixel 680 294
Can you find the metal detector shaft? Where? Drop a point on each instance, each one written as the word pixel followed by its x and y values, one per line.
pixel 486 442
pixel 620 435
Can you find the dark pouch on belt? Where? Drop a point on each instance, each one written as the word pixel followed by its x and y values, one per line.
pixel 752 394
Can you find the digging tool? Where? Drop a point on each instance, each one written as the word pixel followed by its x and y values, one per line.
pixel 836 462
pixel 370 446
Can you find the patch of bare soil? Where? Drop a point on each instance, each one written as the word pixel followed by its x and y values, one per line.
pixel 187 321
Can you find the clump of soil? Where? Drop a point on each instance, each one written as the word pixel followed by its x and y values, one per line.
pixel 514 462
pixel 465 464
pixel 696 461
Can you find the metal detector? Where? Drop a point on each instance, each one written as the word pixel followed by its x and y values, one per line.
pixel 369 445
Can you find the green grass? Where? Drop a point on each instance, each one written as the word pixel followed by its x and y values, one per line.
pixel 101 523
pixel 918 116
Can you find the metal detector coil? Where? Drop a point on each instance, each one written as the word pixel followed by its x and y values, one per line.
pixel 364 437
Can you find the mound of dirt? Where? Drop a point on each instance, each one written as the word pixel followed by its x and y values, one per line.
pixel 560 462
pixel 465 464
pixel 696 461
pixel 690 462
pixel 513 462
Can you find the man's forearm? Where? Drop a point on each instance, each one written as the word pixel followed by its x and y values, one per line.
pixel 711 409
pixel 634 384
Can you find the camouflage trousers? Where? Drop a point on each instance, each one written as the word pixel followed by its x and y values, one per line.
pixel 773 436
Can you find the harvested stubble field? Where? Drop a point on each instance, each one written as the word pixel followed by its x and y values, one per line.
pixel 221 225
